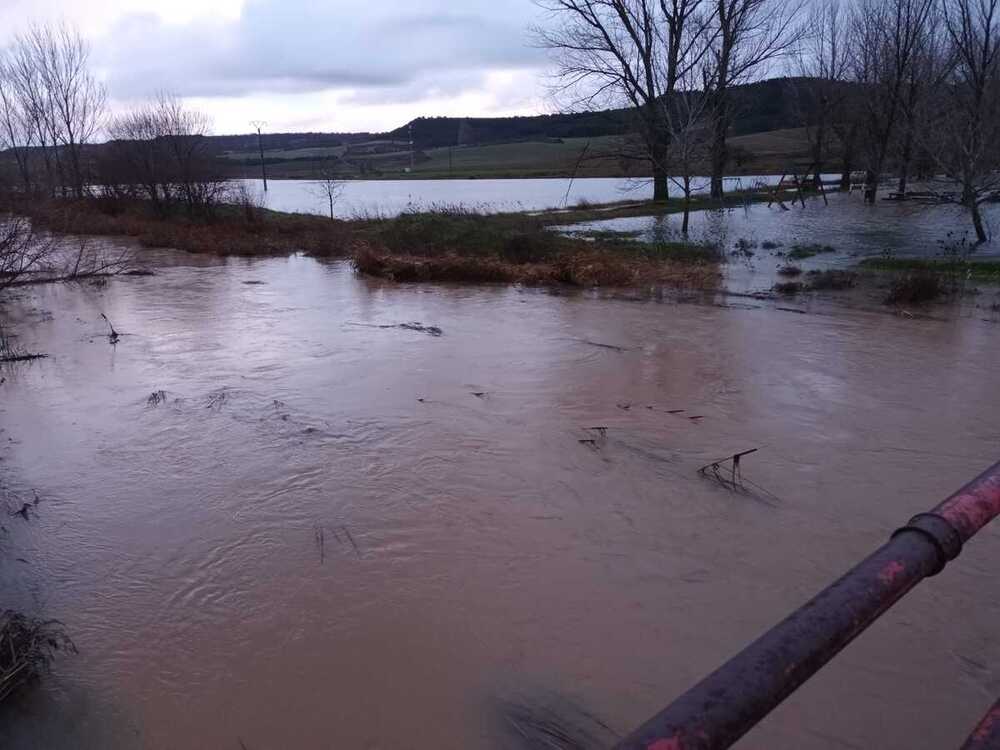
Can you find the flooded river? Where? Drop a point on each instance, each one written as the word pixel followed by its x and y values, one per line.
pixel 334 532
pixel 392 197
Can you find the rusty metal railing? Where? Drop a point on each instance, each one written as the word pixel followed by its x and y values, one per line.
pixel 729 702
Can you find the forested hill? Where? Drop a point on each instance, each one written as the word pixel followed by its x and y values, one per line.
pixel 759 107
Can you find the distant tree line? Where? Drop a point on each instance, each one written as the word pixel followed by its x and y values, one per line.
pixel 53 108
pixel 902 87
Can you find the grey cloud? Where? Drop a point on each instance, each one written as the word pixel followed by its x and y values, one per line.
pixel 294 46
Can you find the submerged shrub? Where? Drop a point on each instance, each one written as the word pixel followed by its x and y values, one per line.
pixel 788 287
pixel 803 251
pixel 915 288
pixel 832 279
pixel 27 647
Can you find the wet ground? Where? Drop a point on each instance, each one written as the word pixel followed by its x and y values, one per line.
pixel 330 530
pixel 849 228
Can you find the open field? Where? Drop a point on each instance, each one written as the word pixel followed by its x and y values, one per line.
pixel 759 153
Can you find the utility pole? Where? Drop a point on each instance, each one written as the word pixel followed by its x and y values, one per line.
pixel 258 124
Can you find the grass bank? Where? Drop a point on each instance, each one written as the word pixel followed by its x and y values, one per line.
pixel 228 230
pixel 982 270
pixel 447 244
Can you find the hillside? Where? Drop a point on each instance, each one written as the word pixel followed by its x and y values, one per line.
pixel 766 137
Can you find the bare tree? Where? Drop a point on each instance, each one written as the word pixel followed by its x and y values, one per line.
pixel 327 182
pixel 889 37
pixel 631 51
pixel 15 131
pixel 22 251
pixel 160 151
pixel 930 65
pixel 965 139
pixel 822 98
pixel 748 36
pixel 61 103
pixel 690 129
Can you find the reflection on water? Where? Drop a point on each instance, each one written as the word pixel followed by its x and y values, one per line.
pixel 855 229
pixel 391 197
pixel 338 535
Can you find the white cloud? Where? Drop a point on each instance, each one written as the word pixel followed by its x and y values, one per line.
pixel 335 64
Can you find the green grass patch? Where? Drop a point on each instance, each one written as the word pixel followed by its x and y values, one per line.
pixel 986 270
pixel 803 251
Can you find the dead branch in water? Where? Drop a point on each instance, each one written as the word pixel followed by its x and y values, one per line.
pixel 44 261
pixel 10 352
pixel 728 472
pixel 350 538
pixel 549 722
pixel 599 345
pixel 113 336
pixel 735 478
pixel 27 648
pixel 156 398
pixel 320 538
pixel 414 326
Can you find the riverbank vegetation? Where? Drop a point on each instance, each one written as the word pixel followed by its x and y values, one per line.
pixel 27 648
pixel 445 244
pixel 980 270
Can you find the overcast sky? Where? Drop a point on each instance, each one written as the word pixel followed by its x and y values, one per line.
pixel 331 65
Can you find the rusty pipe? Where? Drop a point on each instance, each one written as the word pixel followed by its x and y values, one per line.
pixel 986 735
pixel 726 704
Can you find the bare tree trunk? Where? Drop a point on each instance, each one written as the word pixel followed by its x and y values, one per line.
pixel 719 153
pixel 871 184
pixel 969 198
pixel 687 204
pixel 906 159
pixel 847 139
pixel 661 189
pixel 977 223
pixel 818 152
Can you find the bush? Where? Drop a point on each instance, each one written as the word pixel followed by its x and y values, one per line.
pixel 801 251
pixel 831 279
pixel 522 247
pixel 915 288
pixel 27 647
pixel 788 287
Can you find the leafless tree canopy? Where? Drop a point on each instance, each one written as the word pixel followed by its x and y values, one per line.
pixel 642 53
pixel 965 141
pixel 328 184
pixel 631 52
pixel 51 107
pixel 21 251
pixel 159 153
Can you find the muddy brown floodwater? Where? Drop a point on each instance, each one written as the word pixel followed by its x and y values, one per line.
pixel 334 534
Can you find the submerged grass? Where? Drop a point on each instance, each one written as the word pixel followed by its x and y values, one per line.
pixel 919 287
pixel 27 648
pixel 803 251
pixel 227 231
pixel 831 279
pixel 985 270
